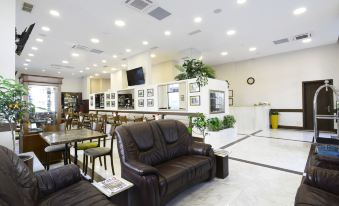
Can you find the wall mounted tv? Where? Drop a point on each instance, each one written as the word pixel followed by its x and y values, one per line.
pixel 135 76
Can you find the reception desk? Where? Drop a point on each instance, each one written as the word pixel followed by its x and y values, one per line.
pixel 251 118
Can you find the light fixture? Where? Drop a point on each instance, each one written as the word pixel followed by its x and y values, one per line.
pixel 27 60
pixel 43 70
pixel 39 40
pixel 96 74
pixel 95 65
pixel 123 65
pixel 103 61
pixel 91 76
pixel 119 23
pixel 87 68
pixel 128 50
pixel 95 40
pixel 59 72
pixel 45 28
pixel 231 32
pixel 115 56
pixel 54 13
pixel 299 11
pixel 65 62
pixel 224 53
pixel 114 69
pixel 81 71
pixel 25 68
pixel 104 72
pixel 145 42
pixel 241 1
pixel 197 19
pixel 75 54
pixel 167 33
pixel 252 49
pixel 30 54
pixel 200 58
pixel 25 64
pixel 308 40
pixel 34 48
pixel 153 55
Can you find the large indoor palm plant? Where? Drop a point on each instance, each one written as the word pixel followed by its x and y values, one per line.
pixel 13 108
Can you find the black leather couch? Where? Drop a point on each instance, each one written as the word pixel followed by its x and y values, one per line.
pixel 320 186
pixel 161 160
pixel 60 187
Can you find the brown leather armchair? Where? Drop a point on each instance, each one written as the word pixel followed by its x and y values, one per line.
pixel 161 160
pixel 61 186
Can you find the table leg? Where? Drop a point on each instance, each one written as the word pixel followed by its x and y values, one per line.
pixel 66 154
pixel 76 153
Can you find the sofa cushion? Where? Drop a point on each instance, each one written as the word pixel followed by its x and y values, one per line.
pixel 308 195
pixel 80 194
pixel 181 172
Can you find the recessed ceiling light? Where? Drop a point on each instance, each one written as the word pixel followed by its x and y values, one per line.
pixel 27 60
pixel 308 40
pixel 128 50
pixel 95 40
pixel 75 54
pixel 45 28
pixel 91 76
pixel 43 70
pixel 114 69
pixel 241 1
pixel 87 68
pixel 54 13
pixel 119 23
pixel 65 62
pixel 34 48
pixel 25 68
pixel 103 61
pixel 123 65
pixel 39 40
pixel 81 71
pixel 252 49
pixel 197 19
pixel 104 72
pixel 153 55
pixel 299 11
pixel 224 53
pixel 31 55
pixel 96 74
pixel 95 65
pixel 167 33
pixel 25 64
pixel 217 11
pixel 145 42
pixel 200 58
pixel 115 56
pixel 231 32
pixel 59 72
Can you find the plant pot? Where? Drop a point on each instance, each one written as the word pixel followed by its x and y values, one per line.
pixel 274 121
pixel 28 160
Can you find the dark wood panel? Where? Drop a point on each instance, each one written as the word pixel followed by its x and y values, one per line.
pixel 148 112
pixel 288 110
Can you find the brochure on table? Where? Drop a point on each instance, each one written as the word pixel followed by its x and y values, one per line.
pixel 112 186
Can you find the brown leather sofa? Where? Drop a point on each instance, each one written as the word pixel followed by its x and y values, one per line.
pixel 62 186
pixel 161 160
pixel 320 186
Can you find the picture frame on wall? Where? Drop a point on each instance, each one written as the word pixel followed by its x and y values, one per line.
pixel 195 100
pixel 230 101
pixel 150 103
pixel 108 104
pixel 150 92
pixel 112 95
pixel 140 103
pixel 108 96
pixel 140 93
pixel 194 87
pixel 230 93
pixel 112 103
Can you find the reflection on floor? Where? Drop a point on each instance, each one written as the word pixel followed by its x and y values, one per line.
pixel 265 169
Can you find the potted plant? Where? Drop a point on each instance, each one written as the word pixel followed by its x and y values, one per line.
pixel 274 119
pixel 12 106
pixel 200 123
pixel 229 121
pixel 214 124
pixel 193 68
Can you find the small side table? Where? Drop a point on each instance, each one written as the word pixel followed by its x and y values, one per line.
pixel 221 158
pixel 37 166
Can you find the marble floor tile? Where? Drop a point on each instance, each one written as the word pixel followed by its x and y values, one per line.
pixel 299 135
pixel 217 142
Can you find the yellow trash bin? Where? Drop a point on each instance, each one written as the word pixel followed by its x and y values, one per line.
pixel 274 120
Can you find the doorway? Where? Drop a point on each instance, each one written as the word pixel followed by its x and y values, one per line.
pixel 325 105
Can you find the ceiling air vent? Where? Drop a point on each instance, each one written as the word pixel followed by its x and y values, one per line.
pixel 140 5
pixel 194 32
pixel 58 66
pixel 159 13
pixel 96 51
pixel 80 47
pixel 154 48
pixel 27 7
pixel 281 41
pixel 303 36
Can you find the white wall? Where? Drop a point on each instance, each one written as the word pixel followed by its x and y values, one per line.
pixel 141 60
pixel 71 85
pixel 85 87
pixel 279 78
pixel 7 39
pixel 164 72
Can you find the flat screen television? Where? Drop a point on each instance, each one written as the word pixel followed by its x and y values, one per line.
pixel 135 76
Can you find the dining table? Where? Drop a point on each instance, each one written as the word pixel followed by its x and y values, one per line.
pixel 71 136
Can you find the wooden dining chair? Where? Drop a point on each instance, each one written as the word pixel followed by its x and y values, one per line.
pixel 57 148
pixel 123 119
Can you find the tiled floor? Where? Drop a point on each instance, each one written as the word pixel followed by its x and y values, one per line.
pixel 265 169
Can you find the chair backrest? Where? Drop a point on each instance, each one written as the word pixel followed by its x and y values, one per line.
pixel 138 119
pixel 18 183
pixel 99 127
pixel 153 142
pixel 123 119
pixel 54 128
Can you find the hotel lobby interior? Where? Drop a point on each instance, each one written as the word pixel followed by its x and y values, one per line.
pixel 176 103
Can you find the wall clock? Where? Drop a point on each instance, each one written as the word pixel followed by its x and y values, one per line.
pixel 250 81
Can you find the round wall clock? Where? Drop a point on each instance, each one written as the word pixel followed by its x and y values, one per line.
pixel 250 81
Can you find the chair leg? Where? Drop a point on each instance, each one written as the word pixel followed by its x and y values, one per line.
pixel 69 156
pixel 83 163
pixel 100 161
pixel 86 164
pixel 65 157
pixel 105 163
pixel 112 164
pixel 47 162
pixel 93 165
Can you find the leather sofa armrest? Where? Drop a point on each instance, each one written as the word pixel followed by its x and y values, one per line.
pixel 57 179
pixel 324 179
pixel 141 168
pixel 201 149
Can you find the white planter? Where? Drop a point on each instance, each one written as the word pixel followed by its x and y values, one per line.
pixel 221 138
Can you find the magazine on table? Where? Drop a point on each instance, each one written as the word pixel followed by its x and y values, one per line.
pixel 221 152
pixel 112 186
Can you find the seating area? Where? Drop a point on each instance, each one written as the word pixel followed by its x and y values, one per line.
pixel 169 103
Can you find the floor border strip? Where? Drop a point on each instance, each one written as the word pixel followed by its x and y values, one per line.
pixel 293 140
pixel 267 166
pixel 241 139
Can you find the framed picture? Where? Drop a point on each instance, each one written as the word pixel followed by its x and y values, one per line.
pixel 230 101
pixel 112 95
pixel 194 100
pixel 230 93
pixel 112 103
pixel 141 102
pixel 217 101
pixel 150 103
pixel 108 96
pixel 182 98
pixel 140 93
pixel 108 104
pixel 194 87
pixel 150 92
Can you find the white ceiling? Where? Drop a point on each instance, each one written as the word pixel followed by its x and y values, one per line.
pixel 257 22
